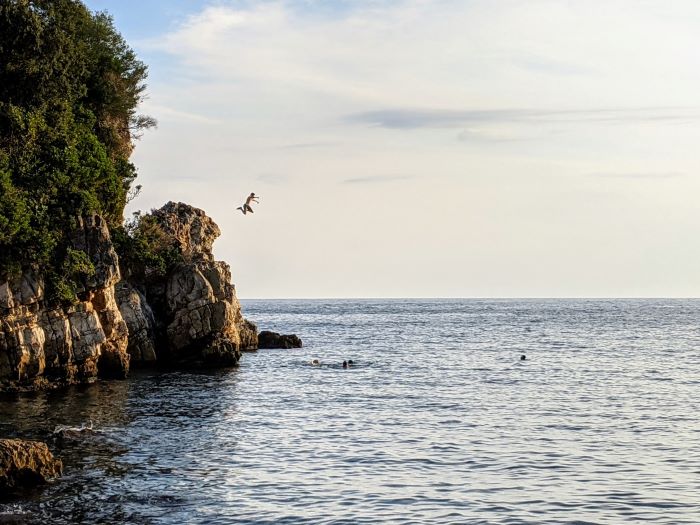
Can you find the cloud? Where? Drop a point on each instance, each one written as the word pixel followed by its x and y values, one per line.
pixel 376 179
pixel 176 115
pixel 513 104
pixel 308 145
pixel 543 65
pixel 639 175
pixel 272 178
pixel 444 118
pixel 316 60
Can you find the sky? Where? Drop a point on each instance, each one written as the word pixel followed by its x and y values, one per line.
pixel 429 148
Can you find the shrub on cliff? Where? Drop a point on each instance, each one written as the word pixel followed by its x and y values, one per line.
pixel 145 250
pixel 69 90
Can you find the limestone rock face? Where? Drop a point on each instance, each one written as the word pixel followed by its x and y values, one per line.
pixel 248 333
pixel 191 227
pixel 25 464
pixel 43 345
pixel 268 339
pixel 141 322
pixel 92 237
pixel 194 312
pixel 188 317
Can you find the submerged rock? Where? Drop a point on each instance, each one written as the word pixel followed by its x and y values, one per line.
pixel 267 339
pixel 26 464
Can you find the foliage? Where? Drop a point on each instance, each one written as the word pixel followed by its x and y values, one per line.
pixel 69 91
pixel 145 250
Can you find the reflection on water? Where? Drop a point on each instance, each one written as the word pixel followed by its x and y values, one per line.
pixel 147 434
pixel 438 422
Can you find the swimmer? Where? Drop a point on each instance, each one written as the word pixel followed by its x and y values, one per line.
pixel 345 364
pixel 315 362
pixel 523 357
pixel 350 362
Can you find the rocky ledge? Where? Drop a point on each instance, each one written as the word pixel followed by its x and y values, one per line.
pixel 44 345
pixel 189 316
pixel 25 464
pixel 268 339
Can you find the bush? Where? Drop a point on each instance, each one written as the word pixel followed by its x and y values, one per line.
pixel 69 91
pixel 145 250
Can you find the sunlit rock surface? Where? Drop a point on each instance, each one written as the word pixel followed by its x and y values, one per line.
pixel 197 319
pixel 42 345
pixel 188 317
pixel 26 464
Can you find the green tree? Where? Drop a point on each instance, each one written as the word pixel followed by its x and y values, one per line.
pixel 69 92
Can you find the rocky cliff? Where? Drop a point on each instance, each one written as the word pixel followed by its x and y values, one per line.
pixel 189 316
pixel 42 345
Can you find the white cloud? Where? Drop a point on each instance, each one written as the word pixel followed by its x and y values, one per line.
pixel 489 111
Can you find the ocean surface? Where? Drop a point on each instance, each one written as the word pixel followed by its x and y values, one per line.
pixel 438 422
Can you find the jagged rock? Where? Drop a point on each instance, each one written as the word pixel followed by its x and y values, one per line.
pixel 202 306
pixel 92 237
pixel 191 315
pixel 267 339
pixel 141 323
pixel 197 317
pixel 43 346
pixel 114 359
pixel 248 333
pixel 25 464
pixel 191 227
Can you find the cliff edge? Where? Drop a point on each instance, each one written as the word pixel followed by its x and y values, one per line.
pixel 43 345
pixel 190 315
pixel 186 316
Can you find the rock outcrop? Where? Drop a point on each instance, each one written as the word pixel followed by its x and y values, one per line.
pixel 43 345
pixel 141 323
pixel 25 464
pixel 190 315
pixel 267 339
pixel 248 333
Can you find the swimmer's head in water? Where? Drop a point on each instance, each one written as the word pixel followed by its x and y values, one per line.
pixel 345 364
pixel 315 362
pixel 523 357
pixel 350 362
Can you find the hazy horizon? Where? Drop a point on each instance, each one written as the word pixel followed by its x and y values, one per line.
pixel 429 148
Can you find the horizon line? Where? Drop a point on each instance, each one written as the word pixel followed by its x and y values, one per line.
pixel 492 298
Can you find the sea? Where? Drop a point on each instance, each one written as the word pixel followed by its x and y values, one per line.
pixel 438 421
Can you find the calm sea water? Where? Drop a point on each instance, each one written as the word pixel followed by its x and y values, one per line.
pixel 439 422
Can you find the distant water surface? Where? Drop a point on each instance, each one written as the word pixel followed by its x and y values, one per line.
pixel 438 423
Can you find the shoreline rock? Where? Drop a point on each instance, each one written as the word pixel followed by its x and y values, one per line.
pixel 269 340
pixel 188 317
pixel 26 464
pixel 42 346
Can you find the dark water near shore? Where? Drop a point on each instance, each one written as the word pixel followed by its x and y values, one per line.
pixel 438 423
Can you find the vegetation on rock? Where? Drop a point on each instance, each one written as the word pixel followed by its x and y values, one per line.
pixel 69 91
pixel 145 250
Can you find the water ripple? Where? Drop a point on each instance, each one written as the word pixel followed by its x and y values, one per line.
pixel 438 423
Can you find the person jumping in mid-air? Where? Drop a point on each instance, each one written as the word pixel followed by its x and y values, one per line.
pixel 252 198
pixel 246 207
